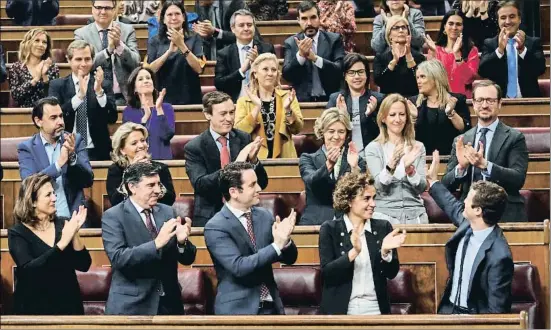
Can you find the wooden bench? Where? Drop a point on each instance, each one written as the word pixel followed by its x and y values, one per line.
pixel 423 254
pixel 495 321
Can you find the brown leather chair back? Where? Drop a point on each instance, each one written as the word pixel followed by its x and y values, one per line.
pixel 8 148
pixel 192 282
pixel 537 139
pixel 183 206
pixel 299 289
pixel 544 87
pixel 401 293
pixel 58 55
pixel 177 144
pixel 306 144
pixel 94 288
pixel 72 19
pixel 525 290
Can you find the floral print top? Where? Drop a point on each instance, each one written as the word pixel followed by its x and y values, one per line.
pixel 338 17
pixel 23 93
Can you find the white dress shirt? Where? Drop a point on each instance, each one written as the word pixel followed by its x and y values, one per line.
pixel 319 61
pixel 76 102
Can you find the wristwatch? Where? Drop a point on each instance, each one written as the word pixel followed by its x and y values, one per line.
pixel 187 53
pixel 390 170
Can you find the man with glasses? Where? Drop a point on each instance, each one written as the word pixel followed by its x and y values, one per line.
pixel 115 45
pixel 490 151
pixel 313 58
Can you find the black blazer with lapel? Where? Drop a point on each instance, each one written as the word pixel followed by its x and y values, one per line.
pixel 331 49
pixel 227 77
pixel 203 166
pixel 509 154
pixel 319 184
pixel 529 68
pixel 368 124
pixel 98 117
pixel 338 272
pixel 492 274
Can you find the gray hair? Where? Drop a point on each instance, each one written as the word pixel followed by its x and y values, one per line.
pixel 135 173
pixel 78 44
pixel 241 12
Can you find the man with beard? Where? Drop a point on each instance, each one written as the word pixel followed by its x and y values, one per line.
pixel 313 58
pixel 512 59
pixel 490 151
pixel 59 154
pixel 212 150
pixel 145 241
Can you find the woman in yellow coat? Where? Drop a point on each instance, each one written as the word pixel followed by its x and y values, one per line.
pixel 268 111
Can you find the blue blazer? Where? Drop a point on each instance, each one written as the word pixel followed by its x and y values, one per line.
pixel 34 159
pixel 240 268
pixel 492 275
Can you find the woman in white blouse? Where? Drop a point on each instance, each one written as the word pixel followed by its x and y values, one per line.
pixel 397 163
pixel 357 253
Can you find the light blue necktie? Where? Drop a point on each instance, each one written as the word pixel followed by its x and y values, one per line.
pixel 247 74
pixel 512 72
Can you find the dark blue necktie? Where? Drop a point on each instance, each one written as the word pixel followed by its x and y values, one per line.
pixel 477 175
pixel 467 236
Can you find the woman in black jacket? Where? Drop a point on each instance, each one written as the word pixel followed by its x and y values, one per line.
pixel 357 253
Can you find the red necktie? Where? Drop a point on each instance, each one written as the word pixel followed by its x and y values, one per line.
pixel 264 292
pixel 149 223
pixel 224 153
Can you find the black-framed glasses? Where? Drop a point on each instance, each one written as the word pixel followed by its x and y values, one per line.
pixel 489 100
pixel 100 8
pixel 352 73
pixel 399 27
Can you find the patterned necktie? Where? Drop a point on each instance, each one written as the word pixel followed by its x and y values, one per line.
pixel 149 223
pixel 477 174
pixel 82 117
pixel 247 74
pixel 224 152
pixel 512 72
pixel 264 292
pixel 467 236
pixel 107 65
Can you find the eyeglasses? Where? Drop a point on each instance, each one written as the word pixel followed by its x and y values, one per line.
pixel 399 27
pixel 352 73
pixel 100 8
pixel 489 100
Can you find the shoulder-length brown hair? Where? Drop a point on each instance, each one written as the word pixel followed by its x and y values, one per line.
pixel 409 131
pixel 27 42
pixel 24 210
pixel 348 187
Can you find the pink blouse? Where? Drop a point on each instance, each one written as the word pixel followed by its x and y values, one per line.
pixel 460 75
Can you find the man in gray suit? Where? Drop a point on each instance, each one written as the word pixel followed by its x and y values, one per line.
pixel 244 241
pixel 490 151
pixel 115 45
pixel 145 241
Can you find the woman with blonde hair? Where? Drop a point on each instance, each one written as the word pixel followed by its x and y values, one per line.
pixel 30 76
pixel 321 170
pixel 394 69
pixel 438 112
pixel 397 163
pixel 47 250
pixel 269 111
pixel 130 146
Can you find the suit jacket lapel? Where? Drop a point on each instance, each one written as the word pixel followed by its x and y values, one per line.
pixel 258 224
pixel 481 255
pixel 453 243
pixel 236 63
pixel 133 215
pixel 40 151
pixel 210 150
pixel 94 34
pixel 237 228
pixel 158 217
pixel 319 158
pixel 235 145
pixel 499 138
pixel 344 163
pixel 70 86
pixel 321 47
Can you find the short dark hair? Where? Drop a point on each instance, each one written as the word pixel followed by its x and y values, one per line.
pixel 508 3
pixel 231 177
pixel 162 26
pixel 487 83
pixel 349 60
pixel 137 171
pixel 133 98
pixel 307 5
pixel 213 98
pixel 113 1
pixel 38 109
pixel 491 198
pixel 348 187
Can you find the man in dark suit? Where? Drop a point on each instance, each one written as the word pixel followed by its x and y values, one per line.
pixel 233 63
pixel 478 257
pixel 32 12
pixel 244 241
pixel 59 154
pixel 3 71
pixel 213 149
pixel 144 241
pixel 490 151
pixel 512 59
pixel 87 102
pixel 313 58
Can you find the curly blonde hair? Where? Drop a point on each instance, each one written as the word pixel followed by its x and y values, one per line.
pixel 435 71
pixel 254 69
pixel 348 187
pixel 409 130
pixel 27 42
pixel 328 118
pixel 119 139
